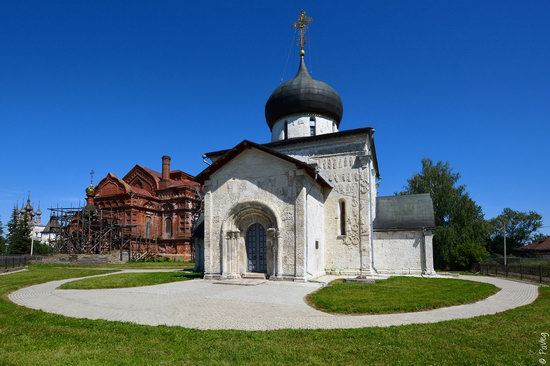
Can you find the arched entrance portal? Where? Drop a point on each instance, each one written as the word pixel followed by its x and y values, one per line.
pixel 251 241
pixel 256 249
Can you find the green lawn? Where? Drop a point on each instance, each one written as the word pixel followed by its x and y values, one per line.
pixel 397 295
pixel 129 265
pixel 30 337
pixel 129 280
pixel 163 264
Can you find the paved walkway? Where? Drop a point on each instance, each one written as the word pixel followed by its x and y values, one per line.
pixel 270 305
pixel 10 271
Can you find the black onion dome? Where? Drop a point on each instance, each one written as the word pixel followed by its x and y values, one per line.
pixel 303 94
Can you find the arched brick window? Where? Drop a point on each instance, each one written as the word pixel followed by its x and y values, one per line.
pixel 148 227
pixel 168 228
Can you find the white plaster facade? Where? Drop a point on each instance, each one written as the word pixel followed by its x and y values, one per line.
pixel 403 252
pixel 256 187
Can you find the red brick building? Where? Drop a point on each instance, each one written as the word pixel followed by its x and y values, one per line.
pixel 158 209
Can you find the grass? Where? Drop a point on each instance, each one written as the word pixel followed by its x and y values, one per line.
pixel 129 265
pixel 30 337
pixel 398 294
pixel 129 280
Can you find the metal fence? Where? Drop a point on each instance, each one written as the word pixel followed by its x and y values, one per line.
pixel 13 261
pixel 535 272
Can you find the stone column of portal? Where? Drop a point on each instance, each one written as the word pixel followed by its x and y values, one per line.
pixel 231 267
pixel 428 253
pixel 272 235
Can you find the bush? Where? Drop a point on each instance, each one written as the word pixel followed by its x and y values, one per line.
pixel 41 248
pixel 468 254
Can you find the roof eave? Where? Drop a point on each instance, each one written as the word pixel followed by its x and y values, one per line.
pixel 246 144
pixel 297 140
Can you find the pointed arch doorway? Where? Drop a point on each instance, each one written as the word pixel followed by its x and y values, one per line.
pixel 256 249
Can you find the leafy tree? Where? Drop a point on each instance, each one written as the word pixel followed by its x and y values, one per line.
pixel 19 235
pixel 520 227
pixel 460 233
pixel 469 253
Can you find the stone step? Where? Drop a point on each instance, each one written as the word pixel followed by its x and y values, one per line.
pixel 254 276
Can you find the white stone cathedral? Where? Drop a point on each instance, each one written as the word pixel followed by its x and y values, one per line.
pixel 305 204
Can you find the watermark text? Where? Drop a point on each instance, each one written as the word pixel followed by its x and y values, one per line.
pixel 543 347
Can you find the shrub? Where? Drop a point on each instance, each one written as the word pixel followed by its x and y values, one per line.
pixel 468 254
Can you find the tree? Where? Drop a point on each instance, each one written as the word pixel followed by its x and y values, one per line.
pixel 520 227
pixel 19 235
pixel 2 239
pixel 461 231
pixel 12 229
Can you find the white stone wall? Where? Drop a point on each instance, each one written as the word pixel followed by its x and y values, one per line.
pixel 346 164
pixel 299 126
pixel 257 179
pixel 399 252
pixel 315 233
pixel 306 213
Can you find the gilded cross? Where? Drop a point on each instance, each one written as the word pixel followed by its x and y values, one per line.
pixel 301 25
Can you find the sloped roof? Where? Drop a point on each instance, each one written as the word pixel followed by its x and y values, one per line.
pixel 308 139
pixel 539 246
pixel 52 226
pixel 245 145
pixel 177 175
pixel 111 176
pixel 178 178
pixel 414 211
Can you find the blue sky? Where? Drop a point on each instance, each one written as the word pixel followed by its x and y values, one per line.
pixel 104 85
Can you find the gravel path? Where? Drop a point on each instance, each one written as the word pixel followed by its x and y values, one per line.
pixel 269 305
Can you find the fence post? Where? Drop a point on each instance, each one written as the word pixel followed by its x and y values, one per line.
pixel 520 270
pixel 506 269
pixel 540 273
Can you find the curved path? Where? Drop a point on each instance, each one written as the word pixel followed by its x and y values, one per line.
pixel 270 305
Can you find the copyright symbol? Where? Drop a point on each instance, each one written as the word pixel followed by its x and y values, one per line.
pixel 542 361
